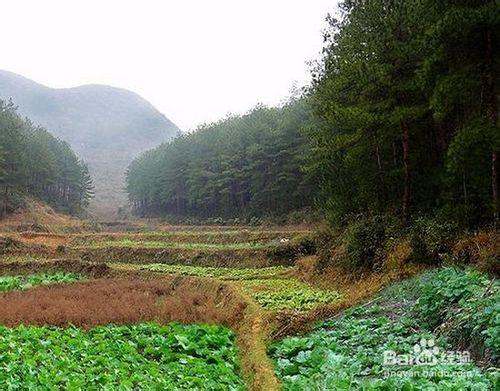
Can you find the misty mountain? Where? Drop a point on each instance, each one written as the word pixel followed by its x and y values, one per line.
pixel 106 126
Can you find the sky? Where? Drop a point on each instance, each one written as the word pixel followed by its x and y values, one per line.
pixel 195 60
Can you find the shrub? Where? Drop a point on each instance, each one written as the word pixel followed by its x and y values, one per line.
pixel 297 247
pixel 365 241
pixel 431 239
pixel 479 249
pixel 325 240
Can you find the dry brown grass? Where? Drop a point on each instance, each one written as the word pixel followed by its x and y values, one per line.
pixel 10 245
pixel 45 239
pixel 119 301
pixel 481 249
pixel 36 215
pixel 93 270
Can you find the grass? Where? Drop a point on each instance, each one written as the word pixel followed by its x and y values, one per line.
pixel 244 236
pixel 142 356
pixel 25 258
pixel 9 283
pixel 348 352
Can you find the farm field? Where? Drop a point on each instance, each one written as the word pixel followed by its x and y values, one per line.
pixel 349 352
pixel 147 355
pixel 177 322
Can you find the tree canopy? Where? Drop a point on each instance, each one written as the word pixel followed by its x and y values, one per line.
pixel 246 165
pixel 407 100
pixel 401 118
pixel 35 163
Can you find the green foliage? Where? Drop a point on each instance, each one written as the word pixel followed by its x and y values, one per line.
pixel 9 283
pixel 271 287
pixel 348 352
pixel 288 294
pixel 173 245
pixel 143 356
pixel 467 194
pixel 244 167
pixel 431 239
pixel 365 241
pixel 407 113
pixel 298 246
pixel 33 162
pixel 221 272
pixel 465 306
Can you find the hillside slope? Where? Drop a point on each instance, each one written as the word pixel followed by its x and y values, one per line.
pixel 106 126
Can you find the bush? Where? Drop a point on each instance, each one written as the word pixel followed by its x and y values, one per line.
pixel 431 239
pixel 297 247
pixel 365 241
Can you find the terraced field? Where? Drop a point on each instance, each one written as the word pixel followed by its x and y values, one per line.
pixel 208 309
pixel 76 299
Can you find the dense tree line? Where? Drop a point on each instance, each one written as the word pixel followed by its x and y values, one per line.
pixel 401 119
pixel 406 96
pixel 246 165
pixel 35 163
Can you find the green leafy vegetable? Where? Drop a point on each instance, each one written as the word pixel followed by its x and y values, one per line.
pixel 9 283
pixel 143 356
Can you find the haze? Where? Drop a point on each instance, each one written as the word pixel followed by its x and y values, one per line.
pixel 195 60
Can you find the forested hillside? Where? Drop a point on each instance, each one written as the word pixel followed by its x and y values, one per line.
pixel 403 122
pixel 106 126
pixel 35 163
pixel 408 102
pixel 242 166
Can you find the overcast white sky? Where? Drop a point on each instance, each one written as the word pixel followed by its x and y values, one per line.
pixel 195 60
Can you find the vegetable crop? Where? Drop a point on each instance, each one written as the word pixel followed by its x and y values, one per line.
pixel 273 288
pixel 347 353
pixel 9 283
pixel 142 356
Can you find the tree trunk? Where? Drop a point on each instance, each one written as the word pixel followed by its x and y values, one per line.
pixel 492 112
pixel 406 160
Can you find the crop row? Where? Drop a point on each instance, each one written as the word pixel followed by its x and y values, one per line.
pixel 141 356
pixel 355 350
pixel 9 283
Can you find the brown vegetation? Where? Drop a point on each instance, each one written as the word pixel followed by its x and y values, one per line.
pixel 38 217
pixel 481 249
pixel 93 270
pixel 216 236
pixel 11 246
pixel 120 301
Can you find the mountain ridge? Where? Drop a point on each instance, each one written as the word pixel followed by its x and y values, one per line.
pixel 107 126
